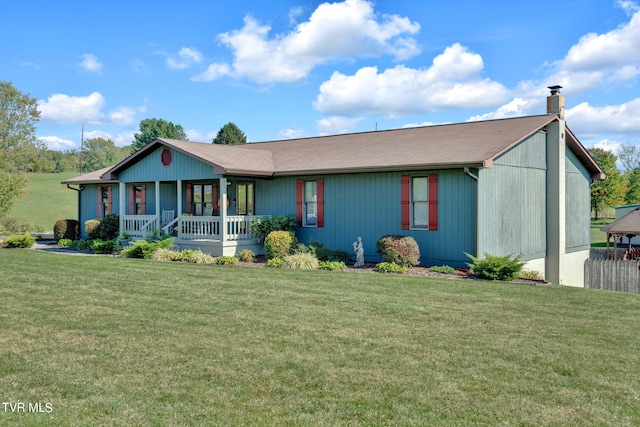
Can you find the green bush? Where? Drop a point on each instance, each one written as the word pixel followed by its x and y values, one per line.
pixel 391 267
pixel 332 265
pixel 300 261
pixel 261 227
pixel 20 241
pixel 164 254
pixel 66 229
pixel 100 246
pixel 109 227
pixel 91 228
pixel 225 260
pixel 445 269
pixel 65 242
pixel 402 250
pixel 247 255
pixel 145 248
pixel 80 245
pixel 493 267
pixel 320 250
pixel 199 257
pixel 275 263
pixel 339 255
pixel 279 244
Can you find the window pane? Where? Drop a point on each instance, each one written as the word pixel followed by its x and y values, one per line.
pixel 250 210
pixel 311 214
pixel 420 214
pixel 197 193
pixel 242 199
pixel 208 200
pixel 419 190
pixel 310 191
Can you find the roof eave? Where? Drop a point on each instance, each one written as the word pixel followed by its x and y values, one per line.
pixel 394 168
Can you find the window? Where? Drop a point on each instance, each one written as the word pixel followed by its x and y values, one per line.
pixel 310 217
pixel 104 202
pixel 310 202
pixel 419 202
pixel 166 157
pixel 137 200
pixel 203 199
pixel 245 200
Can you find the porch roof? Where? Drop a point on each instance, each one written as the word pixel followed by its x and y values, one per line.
pixel 94 177
pixel 626 225
pixel 470 144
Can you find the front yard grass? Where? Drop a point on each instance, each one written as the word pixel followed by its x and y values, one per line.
pixel 111 341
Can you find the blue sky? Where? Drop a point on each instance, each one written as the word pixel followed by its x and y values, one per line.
pixel 285 69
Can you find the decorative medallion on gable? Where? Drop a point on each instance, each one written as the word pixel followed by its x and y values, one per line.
pixel 166 157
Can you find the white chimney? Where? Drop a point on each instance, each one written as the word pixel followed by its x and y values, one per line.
pixel 555 102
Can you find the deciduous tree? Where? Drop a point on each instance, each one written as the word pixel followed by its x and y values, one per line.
pixel 610 191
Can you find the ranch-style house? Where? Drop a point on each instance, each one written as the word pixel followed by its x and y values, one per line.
pixel 509 186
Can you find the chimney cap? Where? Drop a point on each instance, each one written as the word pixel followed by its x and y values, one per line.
pixel 555 89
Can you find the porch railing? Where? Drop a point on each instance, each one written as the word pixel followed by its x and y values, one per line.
pixel 139 225
pixel 199 227
pixel 238 227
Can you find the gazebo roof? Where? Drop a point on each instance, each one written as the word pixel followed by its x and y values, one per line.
pixel 626 225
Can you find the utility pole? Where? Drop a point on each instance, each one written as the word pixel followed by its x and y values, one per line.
pixel 81 147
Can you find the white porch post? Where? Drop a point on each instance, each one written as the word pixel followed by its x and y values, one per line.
pixel 179 210
pixel 122 196
pixel 223 209
pixel 158 205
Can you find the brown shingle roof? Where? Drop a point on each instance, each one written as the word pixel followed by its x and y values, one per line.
pixel 470 144
pixel 90 178
pixel 628 224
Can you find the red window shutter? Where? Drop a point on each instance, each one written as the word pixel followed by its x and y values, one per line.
pixel 299 200
pixel 405 196
pixel 99 204
pixel 320 195
pixel 433 202
pixel 190 199
pixel 110 201
pixel 132 200
pixel 143 200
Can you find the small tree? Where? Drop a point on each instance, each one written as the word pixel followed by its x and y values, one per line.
pixel 230 134
pixel 610 191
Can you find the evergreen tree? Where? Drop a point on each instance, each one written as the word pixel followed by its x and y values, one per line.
pixel 230 134
pixel 151 129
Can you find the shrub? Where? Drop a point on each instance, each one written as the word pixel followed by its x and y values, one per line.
pixel 402 250
pixel 91 228
pixel 109 227
pixel 66 229
pixel 247 255
pixel 199 257
pixel 391 267
pixel 531 275
pixel 65 242
pixel 100 246
pixel 20 241
pixel 493 267
pixel 80 245
pixel 261 227
pixel 275 263
pixel 300 261
pixel 145 248
pixel 445 269
pixel 332 265
pixel 225 260
pixel 279 244
pixel 183 255
pixel 164 254
pixel 322 252
pixel 339 255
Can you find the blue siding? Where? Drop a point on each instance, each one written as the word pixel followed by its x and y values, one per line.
pixel 578 205
pixel 183 167
pixel 512 202
pixel 368 206
pixel 89 203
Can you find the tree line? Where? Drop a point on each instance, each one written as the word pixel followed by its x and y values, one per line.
pixel 622 184
pixel 21 152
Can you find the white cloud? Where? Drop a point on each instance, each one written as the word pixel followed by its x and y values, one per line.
pixel 452 81
pixel 56 143
pixel 90 63
pixel 611 146
pixel 119 139
pixel 215 71
pixel 293 133
pixel 187 56
pixel 590 120
pixel 335 125
pixel 197 136
pixel 334 31
pixel 63 108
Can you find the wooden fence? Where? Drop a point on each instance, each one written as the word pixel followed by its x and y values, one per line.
pixel 612 275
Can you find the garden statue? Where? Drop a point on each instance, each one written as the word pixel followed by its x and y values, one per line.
pixel 359 250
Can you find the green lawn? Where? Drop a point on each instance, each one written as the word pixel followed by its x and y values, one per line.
pixel 599 238
pixel 121 342
pixel 46 201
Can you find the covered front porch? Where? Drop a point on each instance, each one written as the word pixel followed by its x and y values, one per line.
pixel 199 215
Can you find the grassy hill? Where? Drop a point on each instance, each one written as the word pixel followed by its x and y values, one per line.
pixel 46 201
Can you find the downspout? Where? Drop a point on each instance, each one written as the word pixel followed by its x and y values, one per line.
pixel 475 237
pixel 79 205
